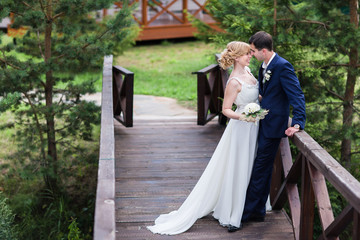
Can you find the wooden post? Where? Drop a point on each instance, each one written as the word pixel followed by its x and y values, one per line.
pixel 276 178
pixel 307 204
pixel 185 11
pixel 201 99
pixel 129 89
pixel 322 197
pixel 356 226
pixel 144 7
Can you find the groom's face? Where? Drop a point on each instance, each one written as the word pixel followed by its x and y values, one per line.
pixel 258 54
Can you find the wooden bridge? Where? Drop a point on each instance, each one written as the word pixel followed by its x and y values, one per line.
pixel 148 167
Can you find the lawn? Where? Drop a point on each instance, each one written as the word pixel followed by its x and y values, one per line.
pixel 165 69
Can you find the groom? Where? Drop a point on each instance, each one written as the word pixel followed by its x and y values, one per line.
pixel 279 88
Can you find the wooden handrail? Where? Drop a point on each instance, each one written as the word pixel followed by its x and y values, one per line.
pixel 211 82
pixel 123 95
pixel 104 222
pixel 314 165
pixel 116 102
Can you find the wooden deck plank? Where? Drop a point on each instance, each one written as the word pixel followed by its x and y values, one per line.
pixel 157 165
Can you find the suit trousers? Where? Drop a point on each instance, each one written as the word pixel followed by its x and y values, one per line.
pixel 259 186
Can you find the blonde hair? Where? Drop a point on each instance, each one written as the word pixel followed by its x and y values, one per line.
pixel 233 49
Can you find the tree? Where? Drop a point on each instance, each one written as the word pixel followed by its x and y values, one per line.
pixel 62 40
pixel 321 40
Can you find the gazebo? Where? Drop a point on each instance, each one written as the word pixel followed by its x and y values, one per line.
pixel 167 19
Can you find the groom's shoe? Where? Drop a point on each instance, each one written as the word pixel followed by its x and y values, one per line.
pixel 232 228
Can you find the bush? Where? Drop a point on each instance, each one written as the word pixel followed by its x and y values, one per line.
pixel 7 226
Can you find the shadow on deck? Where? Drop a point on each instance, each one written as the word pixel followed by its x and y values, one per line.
pixel 157 163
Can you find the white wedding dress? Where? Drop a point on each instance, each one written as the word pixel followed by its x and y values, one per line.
pixel 222 187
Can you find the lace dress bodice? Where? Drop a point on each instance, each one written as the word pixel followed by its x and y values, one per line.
pixel 249 93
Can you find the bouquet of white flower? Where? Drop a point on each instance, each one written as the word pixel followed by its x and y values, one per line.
pixel 254 110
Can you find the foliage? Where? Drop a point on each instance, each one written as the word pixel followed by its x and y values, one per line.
pixel 322 66
pixel 55 127
pixel 74 231
pixel 40 212
pixel 7 224
pixel 61 41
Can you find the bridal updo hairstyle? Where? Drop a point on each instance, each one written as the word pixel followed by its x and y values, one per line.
pixel 233 49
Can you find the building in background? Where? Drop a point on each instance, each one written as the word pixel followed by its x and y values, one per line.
pixel 158 19
pixel 166 19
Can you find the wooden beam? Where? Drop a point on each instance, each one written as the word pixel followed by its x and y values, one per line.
pixel 322 197
pixel 339 224
pixel 307 204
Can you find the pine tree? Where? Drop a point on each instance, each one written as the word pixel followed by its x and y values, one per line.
pixel 62 40
pixel 321 40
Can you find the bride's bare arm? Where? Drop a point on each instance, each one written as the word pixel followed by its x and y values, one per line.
pixel 231 91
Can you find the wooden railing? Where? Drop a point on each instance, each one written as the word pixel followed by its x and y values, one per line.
pixel 312 168
pixel 123 95
pixel 116 102
pixel 211 82
pixel 104 222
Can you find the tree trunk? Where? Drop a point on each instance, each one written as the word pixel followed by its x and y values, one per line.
pixel 51 161
pixel 275 18
pixel 349 91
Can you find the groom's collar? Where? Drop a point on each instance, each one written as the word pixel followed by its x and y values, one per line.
pixel 264 65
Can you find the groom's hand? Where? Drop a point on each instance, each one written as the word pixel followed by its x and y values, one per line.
pixel 290 131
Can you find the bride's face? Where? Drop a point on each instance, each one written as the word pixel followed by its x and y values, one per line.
pixel 244 60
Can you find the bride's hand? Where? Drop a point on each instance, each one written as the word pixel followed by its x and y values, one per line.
pixel 243 117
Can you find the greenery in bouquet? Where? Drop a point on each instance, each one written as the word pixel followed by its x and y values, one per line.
pixel 254 110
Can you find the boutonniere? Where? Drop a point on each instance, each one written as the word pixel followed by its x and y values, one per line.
pixel 267 76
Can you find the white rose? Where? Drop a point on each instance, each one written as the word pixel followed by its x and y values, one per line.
pixel 251 108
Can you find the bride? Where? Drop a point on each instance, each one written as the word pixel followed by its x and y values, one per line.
pixel 222 187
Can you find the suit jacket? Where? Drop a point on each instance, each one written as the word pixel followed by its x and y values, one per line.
pixel 278 93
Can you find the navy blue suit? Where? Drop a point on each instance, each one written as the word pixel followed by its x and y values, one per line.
pixel 278 93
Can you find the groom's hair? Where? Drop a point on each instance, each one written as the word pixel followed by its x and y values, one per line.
pixel 262 40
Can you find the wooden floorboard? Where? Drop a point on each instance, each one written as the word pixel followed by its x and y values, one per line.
pixel 157 165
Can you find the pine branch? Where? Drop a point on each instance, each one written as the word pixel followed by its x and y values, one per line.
pixel 58 15
pixel 16 13
pixel 28 5
pixel 37 124
pixel 353 153
pixel 338 65
pixel 355 109
pixel 39 43
pixel 42 7
pixel 9 64
pixel 97 38
pixel 304 21
pixel 335 94
pixel 291 10
pixel 323 103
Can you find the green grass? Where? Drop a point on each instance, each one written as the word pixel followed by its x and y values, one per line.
pixel 166 69
pixel 7 135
